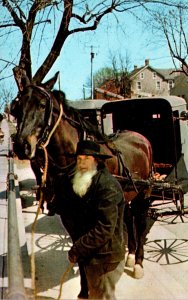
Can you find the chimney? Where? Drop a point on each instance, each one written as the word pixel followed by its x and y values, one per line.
pixel 146 62
pixel 135 67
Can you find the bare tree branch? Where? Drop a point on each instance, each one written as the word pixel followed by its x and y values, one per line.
pixel 58 43
pixel 173 25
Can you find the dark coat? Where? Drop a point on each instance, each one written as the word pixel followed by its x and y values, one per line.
pixel 95 221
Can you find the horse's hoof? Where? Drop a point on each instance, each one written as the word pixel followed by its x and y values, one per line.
pixel 130 260
pixel 82 295
pixel 138 271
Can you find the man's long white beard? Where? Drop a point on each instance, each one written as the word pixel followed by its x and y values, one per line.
pixel 82 181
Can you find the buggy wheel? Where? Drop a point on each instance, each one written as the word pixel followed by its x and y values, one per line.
pixel 167 251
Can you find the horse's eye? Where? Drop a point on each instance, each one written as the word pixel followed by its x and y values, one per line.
pixel 42 104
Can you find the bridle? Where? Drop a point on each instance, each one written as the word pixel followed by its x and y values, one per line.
pixel 48 115
pixel 49 129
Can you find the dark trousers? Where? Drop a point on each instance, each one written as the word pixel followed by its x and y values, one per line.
pixel 102 279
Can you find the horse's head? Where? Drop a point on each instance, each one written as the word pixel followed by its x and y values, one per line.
pixel 33 110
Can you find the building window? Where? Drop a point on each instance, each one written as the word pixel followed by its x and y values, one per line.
pixel 154 75
pixel 158 85
pixel 142 75
pixel 139 86
pixel 170 84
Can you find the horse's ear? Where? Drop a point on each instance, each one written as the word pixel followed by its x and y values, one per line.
pixel 21 78
pixel 51 82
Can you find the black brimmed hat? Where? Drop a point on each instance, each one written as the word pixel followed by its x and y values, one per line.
pixel 90 148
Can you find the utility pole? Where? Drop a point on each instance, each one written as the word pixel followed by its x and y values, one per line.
pixel 92 82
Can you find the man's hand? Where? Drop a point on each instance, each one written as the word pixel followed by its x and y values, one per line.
pixel 72 257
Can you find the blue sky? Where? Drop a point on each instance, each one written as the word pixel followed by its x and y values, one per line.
pixel 74 63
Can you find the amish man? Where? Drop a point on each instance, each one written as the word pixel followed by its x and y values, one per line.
pixel 91 208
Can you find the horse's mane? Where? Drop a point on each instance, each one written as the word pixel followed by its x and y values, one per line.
pixel 76 115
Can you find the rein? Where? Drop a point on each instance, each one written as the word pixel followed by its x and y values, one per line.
pixel 43 145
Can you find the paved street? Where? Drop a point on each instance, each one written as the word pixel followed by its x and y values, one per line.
pixel 165 264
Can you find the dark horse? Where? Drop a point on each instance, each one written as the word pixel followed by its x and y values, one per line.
pixel 38 109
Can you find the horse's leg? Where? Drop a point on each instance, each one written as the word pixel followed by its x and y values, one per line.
pixel 49 194
pixel 83 283
pixel 38 175
pixel 131 241
pixel 140 208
